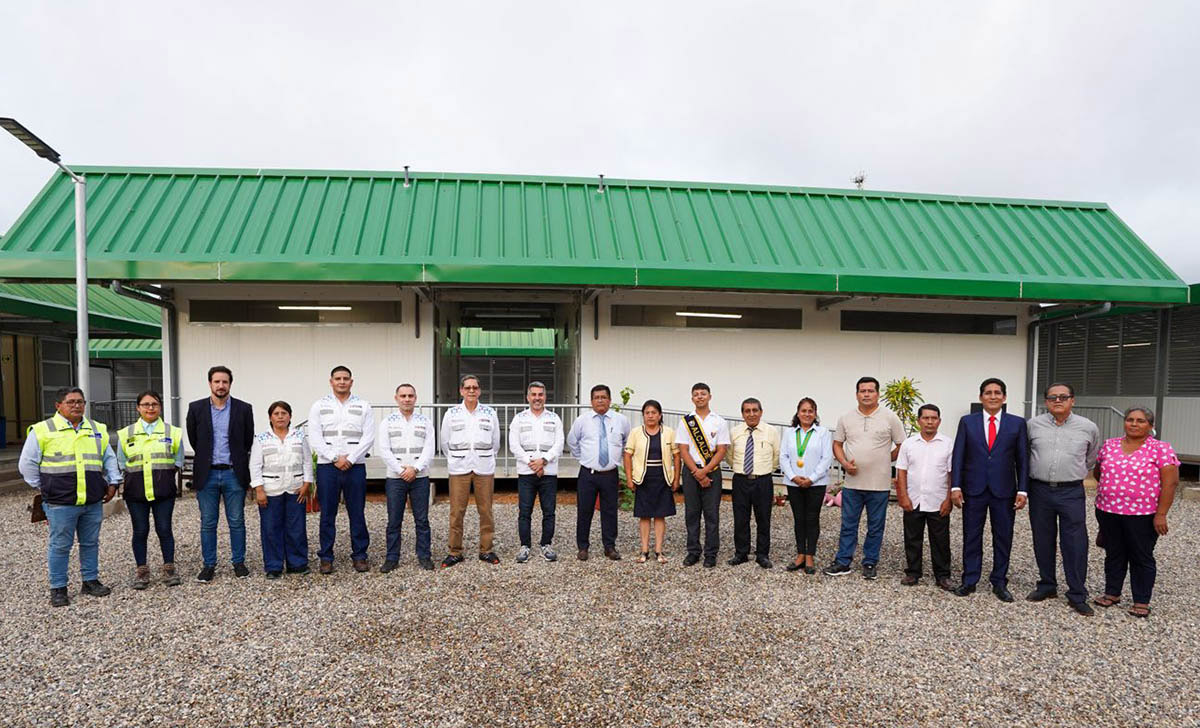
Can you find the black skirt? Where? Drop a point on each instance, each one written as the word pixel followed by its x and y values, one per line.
pixel 653 497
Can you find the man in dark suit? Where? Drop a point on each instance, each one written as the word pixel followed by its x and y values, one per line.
pixel 989 478
pixel 221 430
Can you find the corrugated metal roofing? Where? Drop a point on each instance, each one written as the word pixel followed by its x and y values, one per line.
pixel 478 342
pixel 56 302
pixel 216 224
pixel 125 348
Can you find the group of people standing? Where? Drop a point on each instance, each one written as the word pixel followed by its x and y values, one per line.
pixel 995 465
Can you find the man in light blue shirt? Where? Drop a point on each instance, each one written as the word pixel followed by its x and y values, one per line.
pixel 597 440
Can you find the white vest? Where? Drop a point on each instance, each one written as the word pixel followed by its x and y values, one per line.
pixel 406 438
pixel 282 462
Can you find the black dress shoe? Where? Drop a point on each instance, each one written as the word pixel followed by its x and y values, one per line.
pixel 240 570
pixel 612 554
pixel 95 588
pixel 59 598
pixel 945 584
pixel 964 591
pixel 737 560
pixel 1083 608
pixel 710 562
pixel 274 574
pixel 1038 595
pixel 426 563
pixel 388 567
pixel 763 562
pixel 691 559
pixel 794 566
pixel 1002 594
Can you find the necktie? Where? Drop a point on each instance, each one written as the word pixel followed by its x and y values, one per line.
pixel 991 431
pixel 603 446
pixel 748 460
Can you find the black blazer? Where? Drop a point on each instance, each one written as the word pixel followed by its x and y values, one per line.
pixel 1003 470
pixel 200 434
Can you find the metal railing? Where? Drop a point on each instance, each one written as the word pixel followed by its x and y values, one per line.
pixel 116 413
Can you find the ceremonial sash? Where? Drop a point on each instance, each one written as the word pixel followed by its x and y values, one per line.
pixel 696 431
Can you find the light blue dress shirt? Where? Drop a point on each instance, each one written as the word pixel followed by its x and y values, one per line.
pixel 584 439
pixel 220 425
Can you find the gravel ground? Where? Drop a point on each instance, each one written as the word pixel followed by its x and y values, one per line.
pixel 596 643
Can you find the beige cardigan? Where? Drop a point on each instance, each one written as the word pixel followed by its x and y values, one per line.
pixel 638 445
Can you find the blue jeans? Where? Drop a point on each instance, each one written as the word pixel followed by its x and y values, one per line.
pixel 222 485
pixel 853 502
pixel 284 534
pixel 65 523
pixel 398 492
pixel 332 485
pixel 545 489
pixel 139 515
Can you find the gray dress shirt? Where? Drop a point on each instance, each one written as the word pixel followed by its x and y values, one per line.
pixel 1062 453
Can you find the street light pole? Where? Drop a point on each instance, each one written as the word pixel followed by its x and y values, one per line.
pixel 43 150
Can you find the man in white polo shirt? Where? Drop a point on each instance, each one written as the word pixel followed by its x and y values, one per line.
pixel 923 490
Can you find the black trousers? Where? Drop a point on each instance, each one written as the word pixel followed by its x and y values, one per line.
pixel 589 484
pixel 704 502
pixel 752 494
pixel 1059 513
pixel 915 524
pixel 806 513
pixel 1129 547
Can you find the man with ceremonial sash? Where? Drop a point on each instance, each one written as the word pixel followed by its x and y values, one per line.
pixel 69 459
pixel 702 445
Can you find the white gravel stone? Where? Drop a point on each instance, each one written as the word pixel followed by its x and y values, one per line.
pixel 598 643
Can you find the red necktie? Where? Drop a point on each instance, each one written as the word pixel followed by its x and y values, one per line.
pixel 991 431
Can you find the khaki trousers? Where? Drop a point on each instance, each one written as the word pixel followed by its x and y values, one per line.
pixel 460 493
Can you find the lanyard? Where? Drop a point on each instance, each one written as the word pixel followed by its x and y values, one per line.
pixel 802 445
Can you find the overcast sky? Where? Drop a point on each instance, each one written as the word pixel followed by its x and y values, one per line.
pixel 1062 100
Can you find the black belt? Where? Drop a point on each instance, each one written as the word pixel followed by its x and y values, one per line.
pixel 221 466
pixel 1062 484
pixel 594 471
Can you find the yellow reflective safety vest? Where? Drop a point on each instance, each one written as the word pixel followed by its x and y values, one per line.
pixel 150 460
pixel 72 466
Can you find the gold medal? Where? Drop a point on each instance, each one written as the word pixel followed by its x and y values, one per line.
pixel 799 462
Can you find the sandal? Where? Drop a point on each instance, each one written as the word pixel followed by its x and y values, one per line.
pixel 1106 601
pixel 662 558
pixel 642 558
pixel 1141 611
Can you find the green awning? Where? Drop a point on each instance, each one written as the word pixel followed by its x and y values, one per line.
pixel 125 348
pixel 478 342
pixel 108 311
pixel 269 225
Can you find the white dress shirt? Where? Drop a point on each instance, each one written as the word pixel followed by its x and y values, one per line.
pixel 405 442
pixel 533 436
pixel 818 456
pixel 716 429
pixel 338 428
pixel 280 465
pixel 584 439
pixel 470 440
pixel 927 463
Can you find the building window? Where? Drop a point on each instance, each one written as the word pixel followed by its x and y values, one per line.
pixel 707 317
pixel 1183 359
pixel 1103 357
pixel 928 323
pixel 295 312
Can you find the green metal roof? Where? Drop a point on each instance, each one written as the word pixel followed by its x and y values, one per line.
pixel 264 225
pixel 478 342
pixel 56 302
pixel 125 348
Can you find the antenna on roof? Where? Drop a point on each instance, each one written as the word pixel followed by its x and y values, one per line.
pixel 406 175
pixel 600 189
pixel 860 178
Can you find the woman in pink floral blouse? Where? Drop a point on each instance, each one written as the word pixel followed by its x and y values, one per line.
pixel 1138 476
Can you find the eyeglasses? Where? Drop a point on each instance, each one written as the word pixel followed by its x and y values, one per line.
pixel 74 402
pixel 150 405
pixel 470 389
pixel 1059 397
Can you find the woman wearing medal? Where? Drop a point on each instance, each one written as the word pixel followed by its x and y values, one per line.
pixel 805 458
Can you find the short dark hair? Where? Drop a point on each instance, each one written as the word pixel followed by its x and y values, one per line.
pixel 149 393
pixel 751 400
pixel 931 407
pixel 866 380
pixel 701 385
pixel 341 368
pixel 277 404
pixel 796 417
pixel 406 384
pixel 600 388
pixel 994 380
pixel 220 369
pixel 1052 385
pixel 61 393
pixel 652 403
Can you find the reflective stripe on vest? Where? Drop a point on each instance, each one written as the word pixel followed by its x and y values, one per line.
pixel 66 450
pixel 154 451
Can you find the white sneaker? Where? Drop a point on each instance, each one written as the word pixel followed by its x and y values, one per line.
pixel 548 553
pixel 523 555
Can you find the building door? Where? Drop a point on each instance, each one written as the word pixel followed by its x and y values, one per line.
pixel 18 376
pixel 504 378
pixel 57 367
